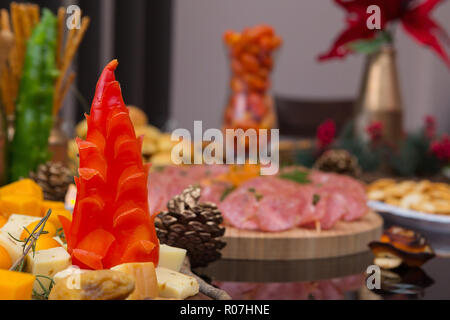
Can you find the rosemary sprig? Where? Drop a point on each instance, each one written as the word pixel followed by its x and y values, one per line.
pixel 61 235
pixel 30 242
pixel 45 291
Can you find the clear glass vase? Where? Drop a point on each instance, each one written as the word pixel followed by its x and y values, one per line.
pixel 250 104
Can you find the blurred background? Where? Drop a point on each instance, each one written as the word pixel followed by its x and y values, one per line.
pixel 173 63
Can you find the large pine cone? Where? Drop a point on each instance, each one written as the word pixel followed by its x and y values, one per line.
pixel 193 226
pixel 54 179
pixel 338 161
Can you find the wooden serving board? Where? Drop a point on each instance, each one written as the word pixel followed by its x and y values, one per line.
pixel 345 238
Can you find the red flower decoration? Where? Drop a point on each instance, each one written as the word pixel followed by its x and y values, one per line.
pixel 441 149
pixel 375 130
pixel 430 126
pixel 326 133
pixel 414 18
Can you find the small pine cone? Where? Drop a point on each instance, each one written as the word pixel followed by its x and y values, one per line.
pixel 193 226
pixel 338 161
pixel 54 179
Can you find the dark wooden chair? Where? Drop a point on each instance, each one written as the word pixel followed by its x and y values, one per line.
pixel 301 117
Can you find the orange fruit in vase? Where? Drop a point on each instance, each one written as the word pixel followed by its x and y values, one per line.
pixel 49 228
pixel 249 62
pixel 236 67
pixel 267 61
pixel 5 259
pixel 44 243
pixel 3 220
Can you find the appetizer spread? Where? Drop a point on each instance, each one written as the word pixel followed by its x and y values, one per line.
pixel 423 196
pixel 108 248
pixel 296 197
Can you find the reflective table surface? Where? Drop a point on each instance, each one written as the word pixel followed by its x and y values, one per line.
pixel 337 278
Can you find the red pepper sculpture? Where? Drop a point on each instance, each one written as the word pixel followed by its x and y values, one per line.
pixel 111 222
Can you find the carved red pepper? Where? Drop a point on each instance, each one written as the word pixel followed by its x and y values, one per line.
pixel 111 222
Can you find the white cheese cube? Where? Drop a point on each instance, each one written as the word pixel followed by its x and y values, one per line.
pixel 47 263
pixel 171 257
pixel 13 247
pixel 16 224
pixel 172 284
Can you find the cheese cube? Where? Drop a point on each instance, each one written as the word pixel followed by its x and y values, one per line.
pixel 172 284
pixel 26 188
pixel 11 204
pixel 171 257
pixel 47 263
pixel 13 247
pixel 56 213
pixel 15 285
pixel 47 204
pixel 16 224
pixel 144 276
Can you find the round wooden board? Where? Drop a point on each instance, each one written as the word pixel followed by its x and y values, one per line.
pixel 297 244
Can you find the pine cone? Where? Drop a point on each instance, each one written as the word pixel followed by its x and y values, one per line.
pixel 193 226
pixel 338 161
pixel 54 179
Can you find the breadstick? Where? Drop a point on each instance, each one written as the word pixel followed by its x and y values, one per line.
pixel 34 11
pixel 70 51
pixel 25 22
pixel 61 13
pixel 16 57
pixel 6 91
pixel 62 94
pixel 5 23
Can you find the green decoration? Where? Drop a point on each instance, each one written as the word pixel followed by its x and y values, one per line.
pixel 33 117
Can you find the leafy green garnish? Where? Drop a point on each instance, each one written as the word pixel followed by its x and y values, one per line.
pixel 61 235
pixel 45 291
pixel 316 199
pixel 226 192
pixel 258 196
pixel 296 176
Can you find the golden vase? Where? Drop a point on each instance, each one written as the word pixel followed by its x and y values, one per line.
pixel 380 99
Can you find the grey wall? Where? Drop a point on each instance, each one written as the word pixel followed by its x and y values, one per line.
pixel 200 69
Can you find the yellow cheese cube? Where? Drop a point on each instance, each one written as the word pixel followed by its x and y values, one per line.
pixel 47 204
pixel 144 279
pixel 172 284
pixel 56 213
pixel 13 247
pixel 10 204
pixel 16 224
pixel 171 257
pixel 15 285
pixel 47 263
pixel 25 187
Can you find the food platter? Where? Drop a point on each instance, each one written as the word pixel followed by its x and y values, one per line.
pixel 411 218
pixel 345 238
